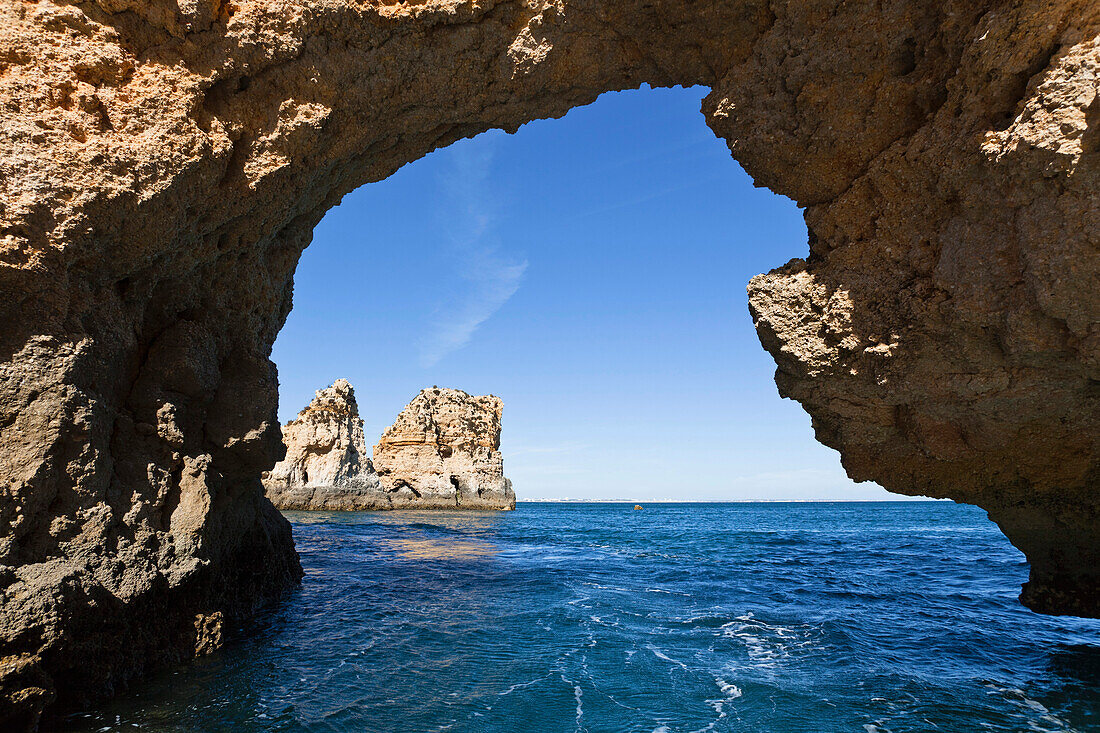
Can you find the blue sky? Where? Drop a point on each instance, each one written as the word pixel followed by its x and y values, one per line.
pixel 591 271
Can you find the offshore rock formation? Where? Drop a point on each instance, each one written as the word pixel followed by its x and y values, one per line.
pixel 162 165
pixel 443 452
pixel 326 465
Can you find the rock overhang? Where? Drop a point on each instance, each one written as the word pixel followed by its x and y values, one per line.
pixel 163 169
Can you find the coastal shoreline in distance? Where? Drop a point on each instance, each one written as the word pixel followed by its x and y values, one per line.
pixel 899 500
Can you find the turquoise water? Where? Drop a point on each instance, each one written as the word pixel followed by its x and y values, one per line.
pixel 682 617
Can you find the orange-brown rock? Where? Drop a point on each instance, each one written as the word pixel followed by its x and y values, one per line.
pixel 443 452
pixel 162 165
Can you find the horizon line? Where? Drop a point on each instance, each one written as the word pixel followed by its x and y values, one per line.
pixel 901 498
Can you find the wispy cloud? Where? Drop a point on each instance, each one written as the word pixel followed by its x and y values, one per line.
pixel 531 450
pixel 487 277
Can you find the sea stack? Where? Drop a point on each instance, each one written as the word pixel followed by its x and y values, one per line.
pixel 444 452
pixel 326 465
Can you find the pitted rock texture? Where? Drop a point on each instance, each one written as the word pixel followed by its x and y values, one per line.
pixel 326 465
pixel 162 166
pixel 443 452
pixel 944 331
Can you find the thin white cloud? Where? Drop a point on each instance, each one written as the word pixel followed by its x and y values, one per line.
pixel 528 450
pixel 487 277
pixel 646 198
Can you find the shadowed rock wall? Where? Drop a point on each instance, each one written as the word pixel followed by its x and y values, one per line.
pixel 162 165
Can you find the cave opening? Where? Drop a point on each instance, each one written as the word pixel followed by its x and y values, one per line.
pixel 937 335
pixel 589 270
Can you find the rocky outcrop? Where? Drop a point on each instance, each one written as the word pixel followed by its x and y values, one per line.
pixel 443 452
pixel 162 166
pixel 326 465
pixel 944 331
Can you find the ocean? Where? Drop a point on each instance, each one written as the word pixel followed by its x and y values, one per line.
pixel 770 617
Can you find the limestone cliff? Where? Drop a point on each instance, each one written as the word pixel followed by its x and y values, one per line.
pixel 443 452
pixel 163 164
pixel 326 465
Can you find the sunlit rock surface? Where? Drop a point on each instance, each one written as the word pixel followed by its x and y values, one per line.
pixel 326 465
pixel 443 452
pixel 162 166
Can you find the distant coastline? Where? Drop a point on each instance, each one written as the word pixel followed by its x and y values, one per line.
pixel 899 500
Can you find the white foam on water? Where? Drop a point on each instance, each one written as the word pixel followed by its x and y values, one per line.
pixel 759 647
pixel 731 693
pixel 768 644
pixel 661 655
pixel 668 592
pixel 612 623
pixel 1043 720
pixel 519 686
pixel 730 690
pixel 607 587
pixel 578 695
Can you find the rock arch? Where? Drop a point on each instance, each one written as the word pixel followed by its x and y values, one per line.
pixel 163 163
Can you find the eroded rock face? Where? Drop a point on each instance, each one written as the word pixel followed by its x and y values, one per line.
pixel 162 166
pixel 443 452
pixel 944 332
pixel 326 465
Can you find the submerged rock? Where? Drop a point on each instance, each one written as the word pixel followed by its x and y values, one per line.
pixel 444 452
pixel 441 453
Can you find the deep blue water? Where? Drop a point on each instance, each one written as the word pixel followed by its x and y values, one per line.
pixel 682 617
